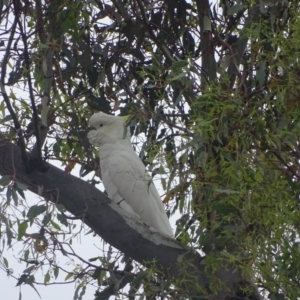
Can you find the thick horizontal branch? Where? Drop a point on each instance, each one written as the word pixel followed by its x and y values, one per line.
pixel 116 227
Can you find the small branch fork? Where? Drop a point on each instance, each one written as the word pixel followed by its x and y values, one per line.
pixel 27 64
pixel 40 129
pixel 21 142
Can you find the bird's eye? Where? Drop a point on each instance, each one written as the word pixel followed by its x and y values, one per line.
pixel 101 125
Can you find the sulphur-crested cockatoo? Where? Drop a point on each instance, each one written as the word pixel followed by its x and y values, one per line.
pixel 124 175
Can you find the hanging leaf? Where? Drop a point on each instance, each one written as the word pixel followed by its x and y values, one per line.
pixel 55 225
pixel 70 275
pixel 26 255
pixel 56 149
pixel 261 73
pixel 235 9
pixel 62 219
pixel 60 207
pixel 5 180
pixel 22 229
pixel 22 279
pixel 47 278
pixel 34 211
pixel 178 65
pixel 16 188
pixel 77 295
pixel 21 186
pixel 8 194
pixel 137 281
pixel 56 272
pixel 47 219
pixel 5 261
pixel 9 235
pixel 14 195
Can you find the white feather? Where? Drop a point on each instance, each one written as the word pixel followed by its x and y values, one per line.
pixel 123 173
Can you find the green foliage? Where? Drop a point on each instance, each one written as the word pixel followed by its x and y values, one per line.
pixel 221 137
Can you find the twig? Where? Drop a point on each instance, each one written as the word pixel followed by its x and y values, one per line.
pixel 3 73
pixel 43 129
pixel 240 47
pixel 27 63
pixel 17 125
pixel 163 47
pixel 207 49
pixel 159 44
pixel 228 47
pixel 121 8
pixel 289 167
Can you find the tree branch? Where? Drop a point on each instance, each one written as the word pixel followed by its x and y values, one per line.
pixel 159 43
pixel 27 64
pixel 3 74
pixel 208 61
pixel 240 46
pixel 4 63
pixel 43 128
pixel 118 228
pixel 121 9
pixel 188 94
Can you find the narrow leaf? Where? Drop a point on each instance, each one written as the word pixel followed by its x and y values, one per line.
pixel 47 219
pixel 5 261
pixel 56 272
pixel 9 235
pixel 55 225
pixel 47 278
pixel 8 195
pixel 70 275
pixel 21 186
pixel 22 229
pixel 14 196
pixel 5 180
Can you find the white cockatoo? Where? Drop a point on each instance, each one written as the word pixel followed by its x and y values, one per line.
pixel 124 176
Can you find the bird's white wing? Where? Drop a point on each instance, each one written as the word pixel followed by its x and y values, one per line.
pixel 111 188
pixel 129 178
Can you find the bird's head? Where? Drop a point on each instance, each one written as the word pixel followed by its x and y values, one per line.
pixel 106 128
